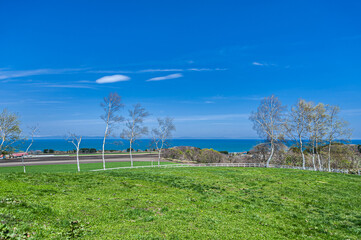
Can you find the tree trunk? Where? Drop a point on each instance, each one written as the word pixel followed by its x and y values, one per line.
pixel 130 153
pixel 103 148
pixel 77 159
pixel 22 160
pixel 329 157
pixel 27 150
pixel 159 152
pixel 319 162
pixel 270 157
pixel 318 157
pixel 303 155
pixel 313 158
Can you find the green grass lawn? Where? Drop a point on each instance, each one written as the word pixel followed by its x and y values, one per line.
pixel 182 203
pixel 72 168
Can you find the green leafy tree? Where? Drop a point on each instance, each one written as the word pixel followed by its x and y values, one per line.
pixel 9 130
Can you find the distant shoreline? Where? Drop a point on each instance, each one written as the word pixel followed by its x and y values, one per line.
pixel 230 145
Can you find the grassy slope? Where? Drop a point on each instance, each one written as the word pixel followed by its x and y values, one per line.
pixel 213 203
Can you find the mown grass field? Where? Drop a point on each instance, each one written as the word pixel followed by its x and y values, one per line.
pixel 183 203
pixel 72 168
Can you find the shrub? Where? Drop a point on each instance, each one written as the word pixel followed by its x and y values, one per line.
pixel 210 156
pixel 172 153
pixel 224 152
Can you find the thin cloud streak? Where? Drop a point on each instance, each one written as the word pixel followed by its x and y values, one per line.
pixel 26 73
pixel 160 70
pixel 212 117
pixel 112 79
pixel 66 86
pixel 171 76
pixel 352 112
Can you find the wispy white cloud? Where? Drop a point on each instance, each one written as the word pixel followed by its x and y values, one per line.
pixel 48 102
pixel 352 112
pixel 161 70
pixel 252 98
pixel 6 74
pixel 264 64
pixel 151 70
pixel 85 81
pixel 248 98
pixel 212 117
pixel 113 79
pixel 206 69
pixel 208 102
pixel 170 76
pixel 65 86
pixel 110 71
pixel 31 101
pixel 82 121
pixel 258 64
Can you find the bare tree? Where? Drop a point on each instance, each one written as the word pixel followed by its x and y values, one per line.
pixel 33 130
pixel 134 128
pixel 268 121
pixel 297 123
pixel 111 105
pixel 75 140
pixel 317 131
pixel 336 128
pixel 9 129
pixel 162 133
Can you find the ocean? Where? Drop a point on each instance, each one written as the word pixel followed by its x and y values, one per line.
pixel 230 145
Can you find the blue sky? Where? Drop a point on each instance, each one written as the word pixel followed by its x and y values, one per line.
pixel 205 63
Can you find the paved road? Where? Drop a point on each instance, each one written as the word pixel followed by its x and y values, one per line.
pixel 72 159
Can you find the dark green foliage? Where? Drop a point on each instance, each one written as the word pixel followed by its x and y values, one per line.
pixel 48 151
pixel 87 150
pixel 359 148
pixel 224 152
pixel 7 233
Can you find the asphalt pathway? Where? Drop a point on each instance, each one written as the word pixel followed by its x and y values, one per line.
pixel 48 160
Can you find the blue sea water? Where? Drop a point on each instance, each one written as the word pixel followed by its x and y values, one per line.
pixel 230 145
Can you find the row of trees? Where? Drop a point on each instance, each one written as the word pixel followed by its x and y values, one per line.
pixel 134 125
pixel 306 125
pixel 112 105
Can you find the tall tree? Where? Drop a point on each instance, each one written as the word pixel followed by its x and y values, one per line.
pixel 111 105
pixel 318 131
pixel 268 121
pixel 33 130
pixel 336 129
pixel 162 134
pixel 296 126
pixel 75 140
pixel 9 129
pixel 134 128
